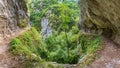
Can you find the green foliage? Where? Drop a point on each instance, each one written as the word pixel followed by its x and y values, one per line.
pixel 62 14
pixel 80 45
pixel 29 45
pixel 90 44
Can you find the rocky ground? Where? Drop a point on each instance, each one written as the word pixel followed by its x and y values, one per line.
pixel 6 59
pixel 109 56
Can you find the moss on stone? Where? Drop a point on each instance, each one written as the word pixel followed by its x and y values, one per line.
pixel 23 23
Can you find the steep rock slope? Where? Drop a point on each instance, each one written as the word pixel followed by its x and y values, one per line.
pixel 13 15
pixel 101 16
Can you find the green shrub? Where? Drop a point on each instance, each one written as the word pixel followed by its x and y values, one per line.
pixel 29 45
pixel 89 46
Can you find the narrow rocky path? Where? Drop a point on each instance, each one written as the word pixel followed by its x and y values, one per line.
pixel 6 59
pixel 69 66
pixel 109 57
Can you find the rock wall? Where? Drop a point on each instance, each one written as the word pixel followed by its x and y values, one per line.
pixel 101 17
pixel 46 30
pixel 13 16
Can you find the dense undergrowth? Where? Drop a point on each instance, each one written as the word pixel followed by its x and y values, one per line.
pixel 30 48
pixel 78 46
pixel 61 14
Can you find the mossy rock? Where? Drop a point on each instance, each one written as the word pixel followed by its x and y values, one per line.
pixel 23 23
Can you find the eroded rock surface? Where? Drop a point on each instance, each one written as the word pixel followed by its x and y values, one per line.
pixel 101 16
pixel 13 15
pixel 46 29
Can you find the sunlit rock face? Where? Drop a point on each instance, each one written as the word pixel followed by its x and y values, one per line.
pixel 46 29
pixel 12 14
pixel 101 17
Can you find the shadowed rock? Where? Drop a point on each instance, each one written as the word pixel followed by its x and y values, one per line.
pixel 101 17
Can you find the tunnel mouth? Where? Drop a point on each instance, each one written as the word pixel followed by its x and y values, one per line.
pixel 108 33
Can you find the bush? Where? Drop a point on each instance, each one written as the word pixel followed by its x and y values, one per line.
pixel 30 46
pixel 89 45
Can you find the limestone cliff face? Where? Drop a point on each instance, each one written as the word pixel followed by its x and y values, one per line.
pixel 13 16
pixel 101 16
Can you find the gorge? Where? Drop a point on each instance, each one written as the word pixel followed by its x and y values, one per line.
pixel 59 34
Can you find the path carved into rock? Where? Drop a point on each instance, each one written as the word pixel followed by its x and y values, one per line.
pixel 6 59
pixel 109 56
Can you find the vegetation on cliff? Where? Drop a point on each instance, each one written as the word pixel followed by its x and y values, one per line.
pixel 66 45
pixel 55 36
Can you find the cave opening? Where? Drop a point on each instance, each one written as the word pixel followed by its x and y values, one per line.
pixel 108 33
